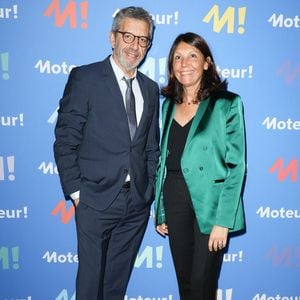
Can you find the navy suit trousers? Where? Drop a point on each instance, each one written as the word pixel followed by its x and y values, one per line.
pixel 108 242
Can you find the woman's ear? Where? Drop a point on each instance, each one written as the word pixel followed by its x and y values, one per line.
pixel 207 62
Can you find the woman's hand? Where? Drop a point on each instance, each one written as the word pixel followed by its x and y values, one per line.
pixel 162 229
pixel 217 238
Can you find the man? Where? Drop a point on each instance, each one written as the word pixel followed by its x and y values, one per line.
pixel 106 156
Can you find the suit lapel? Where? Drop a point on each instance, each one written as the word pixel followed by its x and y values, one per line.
pixel 114 89
pixel 145 94
pixel 113 86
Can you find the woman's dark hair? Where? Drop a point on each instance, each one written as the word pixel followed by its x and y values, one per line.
pixel 211 81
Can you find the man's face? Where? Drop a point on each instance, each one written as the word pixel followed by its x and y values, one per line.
pixel 129 55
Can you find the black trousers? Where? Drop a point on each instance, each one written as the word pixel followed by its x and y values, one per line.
pixel 197 269
pixel 108 242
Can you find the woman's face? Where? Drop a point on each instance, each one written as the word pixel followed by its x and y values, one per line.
pixel 188 65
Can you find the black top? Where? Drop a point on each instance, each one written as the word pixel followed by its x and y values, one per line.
pixel 177 138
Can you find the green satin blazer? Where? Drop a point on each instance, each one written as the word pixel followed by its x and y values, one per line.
pixel 212 163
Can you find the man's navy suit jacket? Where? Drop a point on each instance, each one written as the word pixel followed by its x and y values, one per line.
pixel 93 149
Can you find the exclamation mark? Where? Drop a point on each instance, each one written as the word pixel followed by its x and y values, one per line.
pixel 15 257
pixel 242 17
pixel 162 70
pixel 15 10
pixel 250 71
pixel 84 14
pixel 159 252
pixel 241 255
pixel 11 167
pixel 1 168
pixel 25 212
pixel 4 63
pixel 21 117
pixel 176 17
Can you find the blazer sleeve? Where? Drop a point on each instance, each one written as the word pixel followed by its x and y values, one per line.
pixel 159 208
pixel 152 146
pixel 72 116
pixel 230 197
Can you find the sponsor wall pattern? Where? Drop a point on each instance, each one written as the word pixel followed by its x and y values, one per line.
pixel 256 46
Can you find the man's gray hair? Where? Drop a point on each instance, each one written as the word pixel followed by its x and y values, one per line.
pixel 133 12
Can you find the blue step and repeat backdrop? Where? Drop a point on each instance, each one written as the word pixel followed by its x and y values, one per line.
pixel 256 45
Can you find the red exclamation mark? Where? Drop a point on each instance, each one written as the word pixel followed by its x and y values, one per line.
pixel 11 167
pixel 242 17
pixel 4 63
pixel 84 14
pixel 15 257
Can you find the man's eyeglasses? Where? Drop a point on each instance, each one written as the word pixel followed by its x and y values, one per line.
pixel 129 38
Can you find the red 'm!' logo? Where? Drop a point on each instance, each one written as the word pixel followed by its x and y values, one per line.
pixel 291 169
pixel 66 215
pixel 69 12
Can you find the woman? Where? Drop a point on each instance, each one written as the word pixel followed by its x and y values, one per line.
pixel 202 166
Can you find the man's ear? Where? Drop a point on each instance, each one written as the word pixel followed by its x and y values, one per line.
pixel 112 38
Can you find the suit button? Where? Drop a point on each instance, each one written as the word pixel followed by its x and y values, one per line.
pixel 125 171
pixel 201 168
pixel 186 170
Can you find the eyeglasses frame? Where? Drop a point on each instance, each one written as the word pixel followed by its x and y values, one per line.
pixel 134 37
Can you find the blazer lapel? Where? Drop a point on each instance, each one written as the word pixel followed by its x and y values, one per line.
pixel 167 117
pixel 197 118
